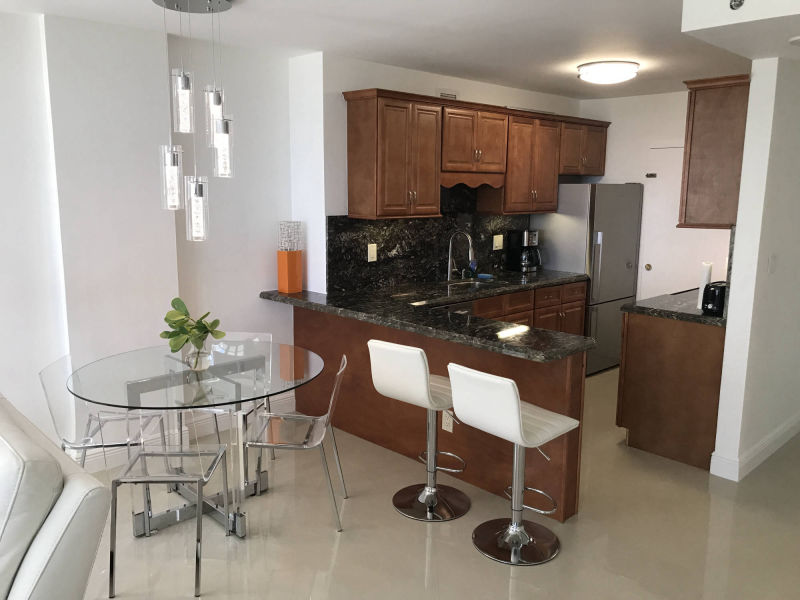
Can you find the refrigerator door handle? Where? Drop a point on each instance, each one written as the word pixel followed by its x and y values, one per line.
pixel 597 262
pixel 594 322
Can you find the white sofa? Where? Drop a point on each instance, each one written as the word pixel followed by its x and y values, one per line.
pixel 52 515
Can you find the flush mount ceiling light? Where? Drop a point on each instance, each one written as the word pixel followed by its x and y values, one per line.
pixel 795 41
pixel 608 71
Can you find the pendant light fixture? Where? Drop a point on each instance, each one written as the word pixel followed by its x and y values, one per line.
pixel 192 190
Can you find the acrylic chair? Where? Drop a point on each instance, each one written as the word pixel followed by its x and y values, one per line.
pixel 302 432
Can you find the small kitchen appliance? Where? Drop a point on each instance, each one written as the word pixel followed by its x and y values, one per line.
pixel 714 298
pixel 522 251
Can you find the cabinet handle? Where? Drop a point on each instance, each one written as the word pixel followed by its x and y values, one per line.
pixel 531 194
pixel 410 196
pixel 480 154
pixel 475 155
pixel 535 194
pixel 414 196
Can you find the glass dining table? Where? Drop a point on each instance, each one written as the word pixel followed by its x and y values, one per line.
pixel 240 375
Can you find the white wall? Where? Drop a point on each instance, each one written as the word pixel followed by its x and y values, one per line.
pixel 308 173
pixel 226 273
pixel 759 408
pixel 110 109
pixel 647 136
pixel 31 280
pixel 702 14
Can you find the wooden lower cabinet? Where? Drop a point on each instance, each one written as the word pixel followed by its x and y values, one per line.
pixel 547 318
pixel 522 318
pixel 573 318
pixel 669 381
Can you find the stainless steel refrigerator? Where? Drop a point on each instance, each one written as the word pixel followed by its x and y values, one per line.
pixel 596 231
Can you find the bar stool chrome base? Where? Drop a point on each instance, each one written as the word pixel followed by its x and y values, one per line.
pixel 442 503
pixel 531 544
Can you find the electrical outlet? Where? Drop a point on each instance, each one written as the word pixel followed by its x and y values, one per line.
pixel 497 242
pixel 372 252
pixel 447 421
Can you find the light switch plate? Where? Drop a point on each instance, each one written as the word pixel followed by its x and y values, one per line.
pixel 447 421
pixel 372 252
pixel 497 242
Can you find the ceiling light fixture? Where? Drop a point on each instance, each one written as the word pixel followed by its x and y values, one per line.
pixel 608 71
pixel 795 40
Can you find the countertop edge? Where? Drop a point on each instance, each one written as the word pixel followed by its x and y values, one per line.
pixel 674 315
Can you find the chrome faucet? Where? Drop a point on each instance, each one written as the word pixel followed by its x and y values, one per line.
pixel 451 267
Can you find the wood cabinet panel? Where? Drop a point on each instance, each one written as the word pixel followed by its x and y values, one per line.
pixel 518 195
pixel 489 307
pixel 518 302
pixel 546 151
pixel 573 318
pixel 573 291
pixel 547 318
pixel 394 157
pixel 548 296
pixel 491 141
pixel 570 155
pixel 593 148
pixel 426 159
pixel 712 164
pixel 458 140
pixel 521 318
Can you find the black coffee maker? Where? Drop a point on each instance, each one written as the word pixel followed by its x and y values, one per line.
pixel 522 251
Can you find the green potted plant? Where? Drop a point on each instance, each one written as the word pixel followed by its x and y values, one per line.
pixel 184 330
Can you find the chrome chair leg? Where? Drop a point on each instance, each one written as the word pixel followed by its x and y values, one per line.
pixel 268 406
pixel 198 539
pixel 86 435
pixel 216 429
pixel 112 555
pixel 225 493
pixel 330 488
pixel 338 462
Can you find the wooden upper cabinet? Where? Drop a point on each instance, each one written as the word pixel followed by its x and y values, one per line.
pixel 474 141
pixel 583 149
pixel 712 155
pixel 426 152
pixel 393 158
pixel 518 196
pixel 546 149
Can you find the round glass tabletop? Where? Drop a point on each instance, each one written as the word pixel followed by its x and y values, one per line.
pixel 156 379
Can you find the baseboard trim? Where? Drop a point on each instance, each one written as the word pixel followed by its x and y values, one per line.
pixel 204 426
pixel 738 468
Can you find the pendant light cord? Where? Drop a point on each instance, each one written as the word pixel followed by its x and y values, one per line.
pixel 169 74
pixel 194 146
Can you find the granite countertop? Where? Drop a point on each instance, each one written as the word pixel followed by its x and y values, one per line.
pixel 417 308
pixel 679 307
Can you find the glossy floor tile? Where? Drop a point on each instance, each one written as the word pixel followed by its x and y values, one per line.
pixel 648 528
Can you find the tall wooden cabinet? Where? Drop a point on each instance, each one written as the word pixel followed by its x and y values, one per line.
pixel 394 158
pixel 532 170
pixel 474 141
pixel 583 149
pixel 712 155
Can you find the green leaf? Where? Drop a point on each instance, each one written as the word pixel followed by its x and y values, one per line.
pixel 203 317
pixel 213 325
pixel 180 306
pixel 217 335
pixel 178 342
pixel 174 316
pixel 198 341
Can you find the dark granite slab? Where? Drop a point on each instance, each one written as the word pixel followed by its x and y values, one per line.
pixel 417 308
pixel 679 307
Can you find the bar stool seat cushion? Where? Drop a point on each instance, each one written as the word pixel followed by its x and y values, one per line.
pixel 441 392
pixel 540 426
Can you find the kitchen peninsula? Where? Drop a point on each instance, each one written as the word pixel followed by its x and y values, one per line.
pixel 548 366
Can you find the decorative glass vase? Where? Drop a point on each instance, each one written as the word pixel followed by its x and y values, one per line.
pixel 199 360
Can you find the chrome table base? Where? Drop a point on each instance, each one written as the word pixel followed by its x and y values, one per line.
pixel 442 503
pixel 236 523
pixel 530 544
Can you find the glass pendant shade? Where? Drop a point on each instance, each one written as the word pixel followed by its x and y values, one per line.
pixel 215 98
pixel 223 144
pixel 182 101
pixel 171 177
pixel 196 208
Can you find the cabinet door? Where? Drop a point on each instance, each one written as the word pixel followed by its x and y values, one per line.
pixel 458 140
pixel 570 155
pixel 522 318
pixel 491 142
pixel 519 190
pixel 547 318
pixel 547 144
pixel 593 150
pixel 426 159
pixel 394 157
pixel 573 317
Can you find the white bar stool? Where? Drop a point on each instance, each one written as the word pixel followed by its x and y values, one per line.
pixel 492 404
pixel 401 373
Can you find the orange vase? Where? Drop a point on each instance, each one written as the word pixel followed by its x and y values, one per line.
pixel 290 271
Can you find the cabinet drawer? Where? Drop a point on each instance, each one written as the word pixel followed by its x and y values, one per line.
pixel 518 302
pixel 547 318
pixel 521 318
pixel 488 307
pixel 549 296
pixel 573 292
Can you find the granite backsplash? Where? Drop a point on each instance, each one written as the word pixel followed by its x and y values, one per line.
pixel 413 250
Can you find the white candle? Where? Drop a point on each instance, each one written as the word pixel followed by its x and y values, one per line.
pixel 705 279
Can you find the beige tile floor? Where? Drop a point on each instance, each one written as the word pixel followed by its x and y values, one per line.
pixel 648 528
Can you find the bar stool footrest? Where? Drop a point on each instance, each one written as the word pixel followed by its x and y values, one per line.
pixel 534 509
pixel 423 458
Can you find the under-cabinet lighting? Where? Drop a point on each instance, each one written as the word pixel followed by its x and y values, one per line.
pixel 512 331
pixel 607 72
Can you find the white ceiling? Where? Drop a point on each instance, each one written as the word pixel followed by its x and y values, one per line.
pixel 530 44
